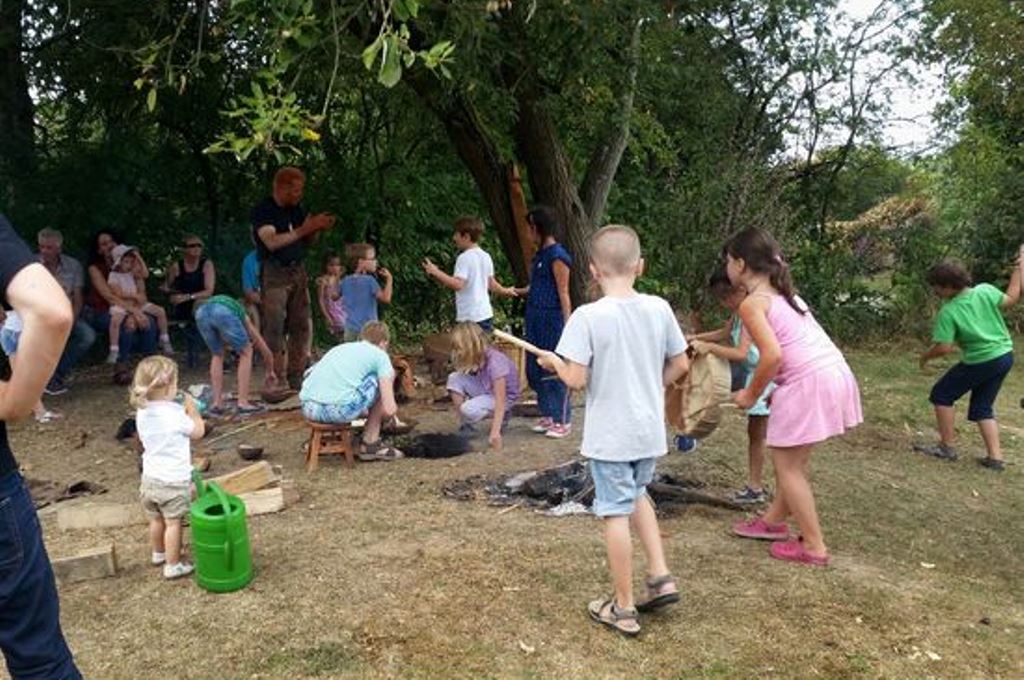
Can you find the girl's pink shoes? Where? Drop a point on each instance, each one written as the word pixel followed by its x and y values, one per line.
pixel 759 529
pixel 794 551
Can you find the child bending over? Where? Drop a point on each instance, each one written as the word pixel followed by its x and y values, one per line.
pixel 224 325
pixel 485 382
pixel 165 429
pixel 971 318
pixel 740 350
pixel 625 349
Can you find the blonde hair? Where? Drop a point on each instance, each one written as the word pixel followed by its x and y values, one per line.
pixel 468 346
pixel 156 378
pixel 615 250
pixel 354 252
pixel 375 333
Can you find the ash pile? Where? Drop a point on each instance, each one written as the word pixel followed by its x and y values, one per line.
pixel 568 489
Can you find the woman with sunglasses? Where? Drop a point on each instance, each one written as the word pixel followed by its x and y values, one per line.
pixel 189 280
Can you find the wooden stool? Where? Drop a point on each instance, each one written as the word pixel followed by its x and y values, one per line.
pixel 326 439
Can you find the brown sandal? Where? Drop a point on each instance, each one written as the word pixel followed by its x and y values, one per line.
pixel 656 598
pixel 374 451
pixel 621 620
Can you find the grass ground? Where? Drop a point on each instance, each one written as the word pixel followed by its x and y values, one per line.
pixel 375 575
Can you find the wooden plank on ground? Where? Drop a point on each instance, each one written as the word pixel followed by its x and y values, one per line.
pixel 250 478
pixel 274 499
pixel 99 515
pixel 88 565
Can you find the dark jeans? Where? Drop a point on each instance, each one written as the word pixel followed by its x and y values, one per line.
pixel 487 325
pixel 30 634
pixel 143 341
pixel 79 342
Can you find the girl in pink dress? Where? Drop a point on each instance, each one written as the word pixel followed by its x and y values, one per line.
pixel 816 395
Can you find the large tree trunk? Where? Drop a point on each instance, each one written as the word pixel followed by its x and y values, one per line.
pixel 17 155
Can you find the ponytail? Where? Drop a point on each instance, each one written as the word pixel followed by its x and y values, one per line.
pixel 782 280
pixel 155 377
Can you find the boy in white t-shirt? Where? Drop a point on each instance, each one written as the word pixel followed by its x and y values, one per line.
pixel 624 348
pixel 165 428
pixel 473 278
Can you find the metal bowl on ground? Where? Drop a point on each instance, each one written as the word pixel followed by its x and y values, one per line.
pixel 247 452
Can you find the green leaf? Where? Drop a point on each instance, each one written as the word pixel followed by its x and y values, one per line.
pixel 151 99
pixel 391 64
pixel 405 9
pixel 257 91
pixel 370 53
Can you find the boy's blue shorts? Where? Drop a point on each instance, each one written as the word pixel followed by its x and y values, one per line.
pixel 981 380
pixel 220 326
pixel 618 485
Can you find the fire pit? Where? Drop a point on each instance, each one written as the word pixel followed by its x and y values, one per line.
pixel 434 445
pixel 568 489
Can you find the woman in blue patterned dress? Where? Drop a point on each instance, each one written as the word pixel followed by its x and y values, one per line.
pixel 548 307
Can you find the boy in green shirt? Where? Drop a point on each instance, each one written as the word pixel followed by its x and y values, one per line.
pixel 224 325
pixel 970 318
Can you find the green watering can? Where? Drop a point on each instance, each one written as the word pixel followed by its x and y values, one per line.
pixel 220 541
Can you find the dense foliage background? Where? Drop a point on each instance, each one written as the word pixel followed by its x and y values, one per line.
pixel 687 120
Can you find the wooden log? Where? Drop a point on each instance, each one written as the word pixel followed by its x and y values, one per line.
pixel 88 565
pixel 690 496
pixel 250 478
pixel 274 499
pixel 99 516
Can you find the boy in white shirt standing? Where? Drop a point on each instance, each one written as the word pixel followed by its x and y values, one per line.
pixel 473 278
pixel 624 348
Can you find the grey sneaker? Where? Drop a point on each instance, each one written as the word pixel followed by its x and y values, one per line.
pixel 992 464
pixel 172 571
pixel 749 496
pixel 940 450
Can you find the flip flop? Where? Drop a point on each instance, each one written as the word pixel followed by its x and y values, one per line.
pixel 617 619
pixel 655 599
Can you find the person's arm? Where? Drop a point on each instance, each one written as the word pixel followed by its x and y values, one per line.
pixel 198 426
pixel 1013 288
pixel 269 377
pixel 209 282
pixel 561 271
pixel 384 294
pixel 717 335
pixel 495 287
pixel 168 284
pixel 727 352
pixel 754 314
pixel 447 280
pixel 77 301
pixel 572 374
pixel 312 224
pixel 499 385
pixel 100 285
pixel 938 349
pixel 387 395
pixel 140 270
pixel 675 368
pixel 46 323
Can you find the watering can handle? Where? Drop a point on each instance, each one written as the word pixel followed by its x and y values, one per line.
pixel 223 498
pixel 197 479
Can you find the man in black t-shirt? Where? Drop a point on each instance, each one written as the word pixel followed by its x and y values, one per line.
pixel 30 635
pixel 282 230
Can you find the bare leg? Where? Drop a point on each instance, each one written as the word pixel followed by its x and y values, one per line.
pixel 620 558
pixel 989 429
pixel 172 540
pixel 244 375
pixel 778 511
pixel 116 319
pixel 791 466
pixel 457 399
pixel 944 415
pixel 646 524
pixel 156 534
pixel 371 431
pixel 217 378
pixel 161 317
pixel 757 433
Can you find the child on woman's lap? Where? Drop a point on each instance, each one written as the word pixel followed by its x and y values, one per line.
pixel 816 395
pixel 165 429
pixel 127 283
pixel 485 382
pixel 624 348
